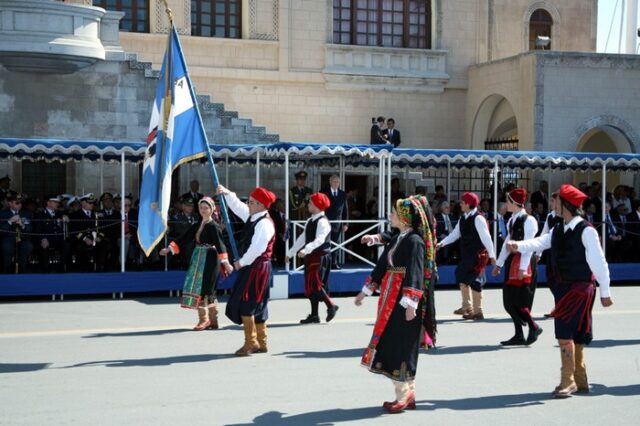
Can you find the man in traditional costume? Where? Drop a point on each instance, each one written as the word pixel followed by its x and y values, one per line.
pixel 520 271
pixel 577 261
pixel 403 274
pixel 314 246
pixel 209 255
pixel 476 250
pixel 248 303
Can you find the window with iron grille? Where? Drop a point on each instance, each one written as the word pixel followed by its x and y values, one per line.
pixel 539 25
pixel 216 18
pixel 41 179
pixel 136 13
pixel 388 23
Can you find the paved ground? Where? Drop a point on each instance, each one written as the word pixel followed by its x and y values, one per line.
pixel 135 362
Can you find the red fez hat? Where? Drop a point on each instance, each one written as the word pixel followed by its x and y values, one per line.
pixel 263 196
pixel 471 199
pixel 572 195
pixel 518 196
pixel 321 201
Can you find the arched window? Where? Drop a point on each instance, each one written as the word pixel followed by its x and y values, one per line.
pixel 389 23
pixel 540 25
pixel 216 18
pixel 136 13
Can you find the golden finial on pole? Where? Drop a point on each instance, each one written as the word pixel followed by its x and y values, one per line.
pixel 169 13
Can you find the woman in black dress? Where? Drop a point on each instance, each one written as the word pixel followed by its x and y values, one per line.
pixel 209 255
pixel 403 275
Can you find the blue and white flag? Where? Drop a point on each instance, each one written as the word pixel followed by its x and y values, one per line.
pixel 176 136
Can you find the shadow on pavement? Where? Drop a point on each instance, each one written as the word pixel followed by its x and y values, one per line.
pixel 628 390
pixel 343 353
pixel 316 418
pixel 458 350
pixel 607 343
pixel 140 333
pixel 154 362
pixel 22 368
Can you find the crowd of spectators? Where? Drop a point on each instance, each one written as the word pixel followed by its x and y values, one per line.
pixel 65 233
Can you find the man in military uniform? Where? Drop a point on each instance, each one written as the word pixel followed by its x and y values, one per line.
pixel 299 198
pixel 88 247
pixel 51 245
pixel 180 224
pixel 109 220
pixel 15 224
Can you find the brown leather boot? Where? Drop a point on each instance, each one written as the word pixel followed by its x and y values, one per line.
pixel 580 372
pixel 203 320
pixel 261 329
pixel 567 385
pixel 476 313
pixel 465 294
pixel 213 315
pixel 250 337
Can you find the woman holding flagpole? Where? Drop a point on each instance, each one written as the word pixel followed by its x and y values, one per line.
pixel 208 260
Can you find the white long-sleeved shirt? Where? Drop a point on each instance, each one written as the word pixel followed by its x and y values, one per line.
pixel 263 233
pixel 593 252
pixel 530 230
pixel 322 230
pixel 481 227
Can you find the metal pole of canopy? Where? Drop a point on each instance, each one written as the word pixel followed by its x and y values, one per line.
pixel 449 181
pixel 122 214
pixel 389 172
pixel 380 192
pixel 341 235
pixel 495 207
pixel 258 169
pixel 226 170
pixel 604 202
pixel 101 175
pixel 286 198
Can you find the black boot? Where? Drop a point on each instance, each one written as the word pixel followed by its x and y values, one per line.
pixel 310 319
pixel 533 335
pixel 331 312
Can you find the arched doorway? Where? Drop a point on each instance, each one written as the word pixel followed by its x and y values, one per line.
pixel 495 121
pixel 540 25
pixel 607 139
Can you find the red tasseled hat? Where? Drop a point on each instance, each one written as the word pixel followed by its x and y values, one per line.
pixel 263 196
pixel 321 201
pixel 471 199
pixel 572 195
pixel 518 196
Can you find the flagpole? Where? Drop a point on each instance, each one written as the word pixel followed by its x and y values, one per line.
pixel 212 168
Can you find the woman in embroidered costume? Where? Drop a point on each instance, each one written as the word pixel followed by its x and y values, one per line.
pixel 199 291
pixel 403 274
pixel 576 261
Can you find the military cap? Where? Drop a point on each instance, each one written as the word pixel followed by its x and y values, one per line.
pixel 301 175
pixel 89 198
pixel 14 196
pixel 5 177
pixel 106 195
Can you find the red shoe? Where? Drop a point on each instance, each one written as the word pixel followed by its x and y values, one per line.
pixel 409 404
pixel 388 404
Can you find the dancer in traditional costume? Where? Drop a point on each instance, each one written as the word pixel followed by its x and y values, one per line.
pixel 314 246
pixel 577 261
pixel 208 259
pixel 476 250
pixel 520 276
pixel 403 274
pixel 248 303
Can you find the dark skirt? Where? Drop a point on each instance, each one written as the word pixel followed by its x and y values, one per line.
pixel 519 295
pixel 394 352
pixel 250 293
pixel 317 268
pixel 469 272
pixel 572 313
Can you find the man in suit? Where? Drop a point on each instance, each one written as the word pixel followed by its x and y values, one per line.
pixel 445 223
pixel 14 223
pixel 51 245
pixel 391 134
pixel 619 218
pixel 541 197
pixel 338 210
pixel 194 195
pixel 376 131
pixel 633 228
pixel 613 234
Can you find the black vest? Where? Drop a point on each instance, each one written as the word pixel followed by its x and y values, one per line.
pixel 247 234
pixel 568 257
pixel 469 237
pixel 310 235
pixel 516 228
pixel 553 221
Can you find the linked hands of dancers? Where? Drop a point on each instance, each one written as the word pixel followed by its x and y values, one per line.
pixel 368 239
pixel 227 267
pixel 359 298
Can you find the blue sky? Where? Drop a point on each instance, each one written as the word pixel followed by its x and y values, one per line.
pixel 608 9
